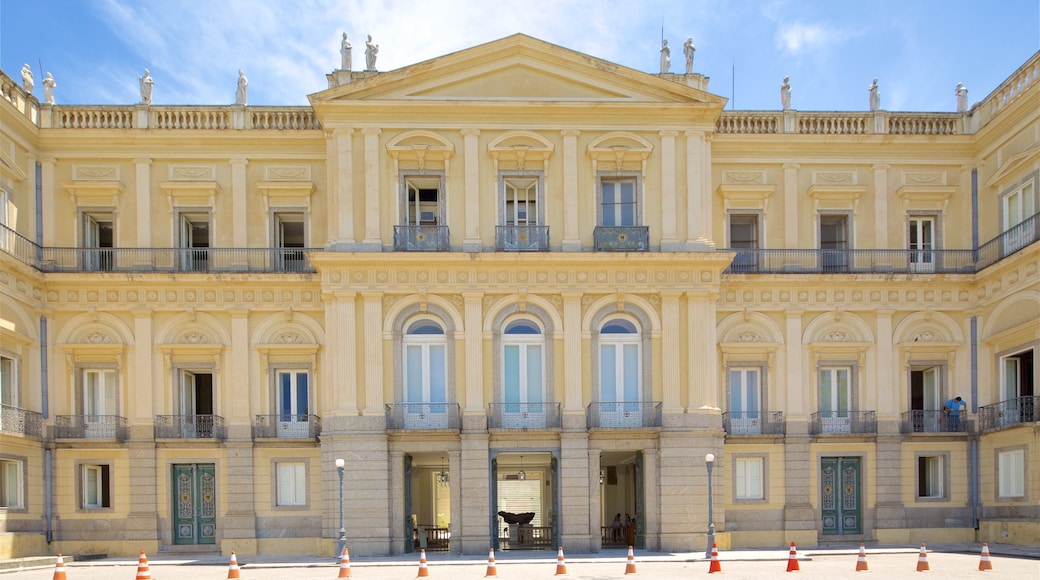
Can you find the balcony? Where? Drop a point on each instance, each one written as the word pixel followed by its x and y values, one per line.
pixel 21 421
pixel 933 422
pixel 420 238
pixel 843 423
pixel 258 260
pixel 759 261
pixel 422 416
pixel 287 427
pixel 753 423
pixel 515 238
pixel 1014 239
pixel 100 427
pixel 621 238
pixel 624 415
pixel 524 416
pixel 190 427
pixel 1019 411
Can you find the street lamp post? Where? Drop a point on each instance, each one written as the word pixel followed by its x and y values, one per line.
pixel 342 530
pixel 709 460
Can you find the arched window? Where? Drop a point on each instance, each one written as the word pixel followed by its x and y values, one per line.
pixel 425 377
pixel 620 372
pixel 523 370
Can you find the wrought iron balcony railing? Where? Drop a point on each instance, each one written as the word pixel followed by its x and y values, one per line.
pixel 21 421
pixel 624 415
pixel 190 427
pixel 1018 411
pixel 934 422
pixel 106 427
pixel 1008 242
pixel 843 422
pixel 276 260
pixel 515 238
pixel 761 261
pixel 753 423
pixel 421 238
pixel 621 238
pixel 422 416
pixel 287 426
pixel 524 416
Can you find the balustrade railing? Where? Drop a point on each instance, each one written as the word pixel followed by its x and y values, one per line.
pixel 924 123
pixel 934 422
pixel 190 427
pixel 750 122
pixel 623 415
pixel 197 118
pixel 97 117
pixel 524 416
pixel 422 416
pixel 427 238
pixel 621 238
pixel 90 427
pixel 843 422
pixel 21 421
pixel 522 238
pixel 287 426
pixel 753 423
pixel 1015 411
pixel 833 123
pixel 282 118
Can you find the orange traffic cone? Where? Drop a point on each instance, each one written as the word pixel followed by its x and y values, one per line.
pixel 423 570
pixel 922 561
pixel 984 563
pixel 630 566
pixel 861 562
pixel 59 569
pixel 561 564
pixel 232 571
pixel 142 567
pixel 491 571
pixel 344 564
pixel 715 565
pixel 792 560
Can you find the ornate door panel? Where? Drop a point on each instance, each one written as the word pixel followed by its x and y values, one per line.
pixel 840 501
pixel 194 503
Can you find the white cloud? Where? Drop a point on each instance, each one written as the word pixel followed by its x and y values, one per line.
pixel 798 38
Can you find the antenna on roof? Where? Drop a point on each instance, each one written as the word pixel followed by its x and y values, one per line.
pixel 733 86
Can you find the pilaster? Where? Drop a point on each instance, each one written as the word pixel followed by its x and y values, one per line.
pixel 703 383
pixel 143 199
pixel 373 364
pixel 471 241
pixel 669 241
pixel 572 351
pixel 571 235
pixel 671 356
pixel 372 239
pixel 474 483
pixel 880 206
pixel 232 407
pixel 595 499
pixel 50 205
pixel 142 408
pixel 474 404
pixel 239 211
pixel 576 525
pixel 791 217
pixel 343 232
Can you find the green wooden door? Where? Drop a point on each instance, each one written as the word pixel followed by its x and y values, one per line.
pixel 194 503
pixel 640 522
pixel 410 531
pixel 840 501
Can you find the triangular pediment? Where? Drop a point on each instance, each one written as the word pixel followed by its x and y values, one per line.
pixel 517 68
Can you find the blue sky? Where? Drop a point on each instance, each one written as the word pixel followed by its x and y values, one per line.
pixel 918 49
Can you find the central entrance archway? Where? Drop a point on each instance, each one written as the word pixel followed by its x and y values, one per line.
pixel 525 498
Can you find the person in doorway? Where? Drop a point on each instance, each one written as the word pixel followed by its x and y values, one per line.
pixel 617 527
pixel 953 410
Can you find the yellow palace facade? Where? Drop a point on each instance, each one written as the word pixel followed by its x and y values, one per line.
pixel 516 279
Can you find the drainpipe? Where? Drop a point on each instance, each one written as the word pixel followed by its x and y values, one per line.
pixel 44 391
pixel 975 210
pixel 973 481
pixel 48 488
pixel 39 211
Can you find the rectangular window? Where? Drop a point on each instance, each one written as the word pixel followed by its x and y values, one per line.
pixel 925 390
pixel 99 392
pixel 834 241
pixel 289 239
pixel 1011 473
pixel 96 484
pixel 835 395
pixel 195 238
pixel 749 478
pixel 1017 370
pixel 619 202
pixel 12 483
pixel 423 201
pixel 921 239
pixel 1019 205
pixel 521 201
pixel 743 232
pixel 291 483
pixel 930 476
pixel 8 381
pixel 98 241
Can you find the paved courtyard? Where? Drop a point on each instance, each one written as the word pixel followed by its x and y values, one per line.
pixel 950 562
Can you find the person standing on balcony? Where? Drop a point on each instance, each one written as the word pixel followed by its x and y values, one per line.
pixel 953 410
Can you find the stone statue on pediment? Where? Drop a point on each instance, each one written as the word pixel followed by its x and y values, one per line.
pixel 688 49
pixel 785 94
pixel 666 57
pixel 371 50
pixel 962 98
pixel 875 96
pixel 146 83
pixel 241 93
pixel 48 89
pixel 27 79
pixel 346 57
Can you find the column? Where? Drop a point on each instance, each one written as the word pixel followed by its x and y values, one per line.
pixel 49 203
pixel 239 237
pixel 373 366
pixel 473 342
pixel 694 186
pixel 471 241
pixel 791 194
pixel 372 240
pixel 880 207
pixel 572 352
pixel 703 383
pixel 669 242
pixel 670 352
pixel 343 232
pixel 143 199
pixel 571 234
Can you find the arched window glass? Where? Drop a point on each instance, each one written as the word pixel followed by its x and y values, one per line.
pixel 620 362
pixel 425 377
pixel 523 374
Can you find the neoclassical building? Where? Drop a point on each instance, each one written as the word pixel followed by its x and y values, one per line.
pixel 516 279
